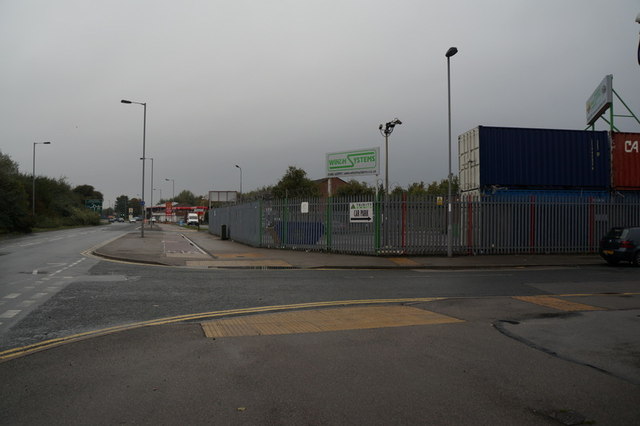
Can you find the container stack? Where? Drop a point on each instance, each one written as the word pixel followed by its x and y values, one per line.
pixel 508 163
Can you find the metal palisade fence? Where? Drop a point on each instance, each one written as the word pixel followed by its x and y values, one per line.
pixel 401 225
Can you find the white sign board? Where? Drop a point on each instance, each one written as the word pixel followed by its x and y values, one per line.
pixel 359 162
pixel 600 100
pixel 304 207
pixel 360 212
pixel 223 196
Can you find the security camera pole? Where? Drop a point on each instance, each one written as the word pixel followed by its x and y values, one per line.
pixel 385 131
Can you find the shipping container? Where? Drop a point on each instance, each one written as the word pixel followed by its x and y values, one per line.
pixel 506 194
pixel 625 161
pixel 519 158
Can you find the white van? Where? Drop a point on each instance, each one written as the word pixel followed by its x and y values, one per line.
pixel 192 219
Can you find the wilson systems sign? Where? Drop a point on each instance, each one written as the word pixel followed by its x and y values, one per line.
pixel 360 162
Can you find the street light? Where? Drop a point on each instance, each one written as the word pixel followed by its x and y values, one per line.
pixel 151 220
pixel 144 136
pixel 173 185
pixel 240 180
pixel 452 51
pixel 385 131
pixel 33 195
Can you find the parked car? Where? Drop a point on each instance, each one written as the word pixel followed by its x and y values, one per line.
pixel 621 244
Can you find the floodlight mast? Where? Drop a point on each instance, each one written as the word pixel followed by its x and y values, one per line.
pixel 386 131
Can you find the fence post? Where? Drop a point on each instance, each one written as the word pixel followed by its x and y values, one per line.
pixel 404 222
pixel 376 219
pixel 285 224
pixel 469 226
pixel 260 223
pixel 591 224
pixel 329 220
pixel 532 224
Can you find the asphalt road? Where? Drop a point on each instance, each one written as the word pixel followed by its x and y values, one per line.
pixel 509 359
pixel 36 267
pixel 50 290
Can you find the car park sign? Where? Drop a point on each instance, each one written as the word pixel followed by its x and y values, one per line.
pixel 361 212
pixel 358 162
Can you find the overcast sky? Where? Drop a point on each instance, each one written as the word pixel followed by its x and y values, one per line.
pixel 269 84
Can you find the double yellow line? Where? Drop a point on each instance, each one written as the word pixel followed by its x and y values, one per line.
pixel 48 344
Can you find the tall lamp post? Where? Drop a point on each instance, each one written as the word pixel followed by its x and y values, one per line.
pixel 452 51
pixel 240 180
pixel 33 195
pixel 144 136
pixel 173 186
pixel 151 219
pixel 385 131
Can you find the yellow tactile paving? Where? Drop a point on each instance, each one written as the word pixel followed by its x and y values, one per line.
pixel 238 255
pixel 560 304
pixel 403 261
pixel 273 263
pixel 316 321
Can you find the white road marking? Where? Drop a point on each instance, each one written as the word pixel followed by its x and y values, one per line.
pixel 35 272
pixel 27 303
pixel 39 295
pixel 12 295
pixel 10 313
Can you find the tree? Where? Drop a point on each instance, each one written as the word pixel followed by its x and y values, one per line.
pixel 416 189
pixel 355 188
pixel 134 204
pixel 14 201
pixel 294 183
pixel 258 194
pixel 87 192
pixel 442 187
pixel 186 197
pixel 122 206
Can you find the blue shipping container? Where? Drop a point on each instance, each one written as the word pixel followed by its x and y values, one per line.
pixel 543 195
pixel 534 158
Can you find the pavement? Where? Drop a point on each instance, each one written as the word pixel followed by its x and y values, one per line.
pixel 172 245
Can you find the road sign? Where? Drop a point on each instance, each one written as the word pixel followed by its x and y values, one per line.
pixel 95 205
pixel 361 212
pixel 360 162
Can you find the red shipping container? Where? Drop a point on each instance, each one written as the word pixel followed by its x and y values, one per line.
pixel 625 161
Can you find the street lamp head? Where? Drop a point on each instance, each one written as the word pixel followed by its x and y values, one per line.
pixel 638 18
pixel 124 101
pixel 47 143
pixel 237 166
pixel 452 51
